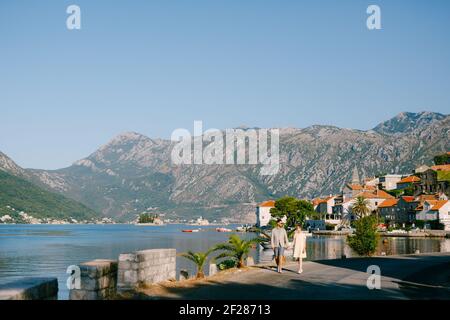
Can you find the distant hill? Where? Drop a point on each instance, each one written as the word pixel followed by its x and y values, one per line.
pixel 133 173
pixel 408 121
pixel 24 196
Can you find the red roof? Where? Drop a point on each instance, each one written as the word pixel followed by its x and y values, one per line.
pixel 408 198
pixel 388 203
pixel 383 194
pixel 269 203
pixel 439 204
pixel 424 197
pixel 409 179
pixel 379 194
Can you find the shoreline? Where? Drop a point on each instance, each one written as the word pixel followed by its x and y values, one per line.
pixel 421 234
pixel 323 279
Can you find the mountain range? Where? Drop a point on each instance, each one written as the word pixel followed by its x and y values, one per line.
pixel 133 173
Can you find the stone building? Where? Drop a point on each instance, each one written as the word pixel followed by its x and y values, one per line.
pixel 433 182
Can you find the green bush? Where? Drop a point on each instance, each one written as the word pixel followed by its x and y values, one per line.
pixel 434 224
pixel 227 264
pixel 396 192
pixel 329 226
pixel 441 159
pixel 146 218
pixel 365 239
pixel 419 224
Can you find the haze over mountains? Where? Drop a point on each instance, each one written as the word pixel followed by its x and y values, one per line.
pixel 133 173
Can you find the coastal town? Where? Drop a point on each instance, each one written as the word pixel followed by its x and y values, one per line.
pixel 400 201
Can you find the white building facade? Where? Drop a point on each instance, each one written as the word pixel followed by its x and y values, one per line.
pixel 263 215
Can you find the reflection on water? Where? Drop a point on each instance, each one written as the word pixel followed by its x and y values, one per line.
pixel 47 250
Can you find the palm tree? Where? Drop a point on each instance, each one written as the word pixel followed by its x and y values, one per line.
pixel 361 207
pixel 199 258
pixel 236 249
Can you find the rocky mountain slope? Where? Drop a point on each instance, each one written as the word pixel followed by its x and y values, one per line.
pixel 133 173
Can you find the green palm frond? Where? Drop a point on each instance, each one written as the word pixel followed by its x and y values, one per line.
pixel 236 248
pixel 198 258
pixel 223 246
pixel 226 255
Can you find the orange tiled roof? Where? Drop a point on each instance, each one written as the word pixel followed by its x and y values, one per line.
pixel 422 202
pixel 424 197
pixel 318 201
pixel 408 198
pixel 367 195
pixel 409 179
pixel 439 204
pixel 384 195
pixel 269 203
pixel 378 194
pixel 441 167
pixel 388 203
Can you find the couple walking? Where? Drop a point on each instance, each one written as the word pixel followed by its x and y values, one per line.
pixel 280 242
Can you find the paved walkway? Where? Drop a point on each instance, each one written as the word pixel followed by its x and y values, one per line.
pixel 403 277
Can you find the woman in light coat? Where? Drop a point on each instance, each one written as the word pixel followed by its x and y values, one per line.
pixel 299 243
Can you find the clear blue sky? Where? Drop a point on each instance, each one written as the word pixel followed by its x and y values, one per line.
pixel 157 65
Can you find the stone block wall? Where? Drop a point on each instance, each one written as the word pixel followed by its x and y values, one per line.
pixel 98 280
pixel 145 267
pixel 30 289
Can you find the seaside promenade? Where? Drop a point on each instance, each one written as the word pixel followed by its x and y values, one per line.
pixel 424 276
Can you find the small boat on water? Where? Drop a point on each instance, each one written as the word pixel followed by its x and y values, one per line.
pixel 244 228
pixel 190 230
pixel 223 230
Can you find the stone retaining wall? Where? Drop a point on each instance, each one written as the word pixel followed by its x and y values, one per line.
pixel 30 289
pixel 145 267
pixel 98 280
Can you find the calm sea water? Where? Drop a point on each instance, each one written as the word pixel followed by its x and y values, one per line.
pixel 47 250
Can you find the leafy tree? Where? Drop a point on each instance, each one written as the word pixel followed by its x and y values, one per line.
pixel 293 209
pixel 199 259
pixel 236 249
pixel 361 207
pixel 441 159
pixel 146 218
pixel 227 264
pixel 365 239
pixel 409 191
pixel 395 192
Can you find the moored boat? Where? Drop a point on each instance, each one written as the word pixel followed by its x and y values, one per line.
pixel 190 230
